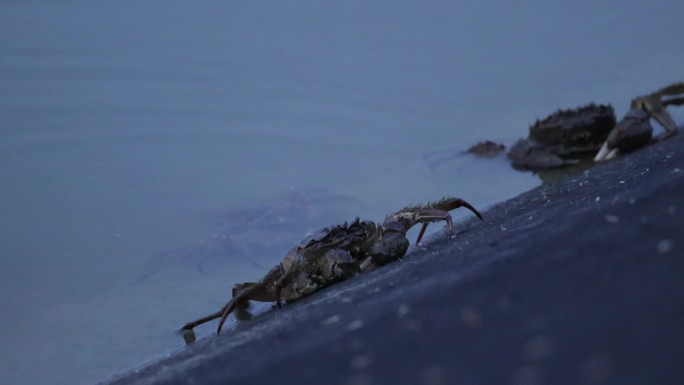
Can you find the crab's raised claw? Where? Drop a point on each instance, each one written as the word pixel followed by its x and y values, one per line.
pixel 432 215
pixel 673 101
pixel 242 297
pixel 454 203
pixel 441 212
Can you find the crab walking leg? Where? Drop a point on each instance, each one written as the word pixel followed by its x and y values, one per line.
pixel 422 232
pixel 230 306
pixel 674 102
pixel 664 118
pixel 655 104
pixel 431 215
pixel 283 281
pixel 242 296
pixel 672 89
pixel 195 323
pixel 260 291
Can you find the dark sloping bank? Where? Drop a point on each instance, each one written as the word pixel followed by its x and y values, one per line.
pixel 576 282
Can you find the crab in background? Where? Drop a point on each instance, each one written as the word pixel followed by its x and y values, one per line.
pixel 576 137
pixel 563 138
pixel 635 130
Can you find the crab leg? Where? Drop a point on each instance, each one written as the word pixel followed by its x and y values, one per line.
pixel 673 101
pixel 205 319
pixel 244 295
pixel 431 215
pixel 223 313
pixel 230 306
pixel 664 118
pixel 283 281
pixel 672 89
pixel 655 104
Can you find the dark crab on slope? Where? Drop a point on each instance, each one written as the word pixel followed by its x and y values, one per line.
pixel 635 130
pixel 563 138
pixel 568 137
pixel 334 254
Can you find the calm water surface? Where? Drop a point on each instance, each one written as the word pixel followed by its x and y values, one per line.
pixel 153 154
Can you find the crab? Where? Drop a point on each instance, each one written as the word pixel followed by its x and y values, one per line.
pixel 635 130
pixel 334 254
pixel 563 138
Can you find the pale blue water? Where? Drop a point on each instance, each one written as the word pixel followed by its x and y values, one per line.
pixel 154 153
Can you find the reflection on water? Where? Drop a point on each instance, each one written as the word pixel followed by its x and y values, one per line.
pixel 253 235
pixel 151 155
pixel 584 163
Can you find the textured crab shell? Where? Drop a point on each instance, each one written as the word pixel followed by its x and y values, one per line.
pixel 337 264
pixel 574 130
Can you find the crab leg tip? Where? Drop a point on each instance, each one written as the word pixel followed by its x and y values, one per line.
pixel 603 152
pixel 221 322
pixel 471 208
pixel 224 316
pixel 422 232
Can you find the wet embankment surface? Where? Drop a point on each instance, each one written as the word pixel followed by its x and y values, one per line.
pixel 576 282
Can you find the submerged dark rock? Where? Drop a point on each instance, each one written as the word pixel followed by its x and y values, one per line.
pixel 487 149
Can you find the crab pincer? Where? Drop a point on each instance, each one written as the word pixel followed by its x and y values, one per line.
pixel 431 212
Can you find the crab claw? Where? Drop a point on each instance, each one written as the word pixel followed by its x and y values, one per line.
pixel 441 212
pixel 633 131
